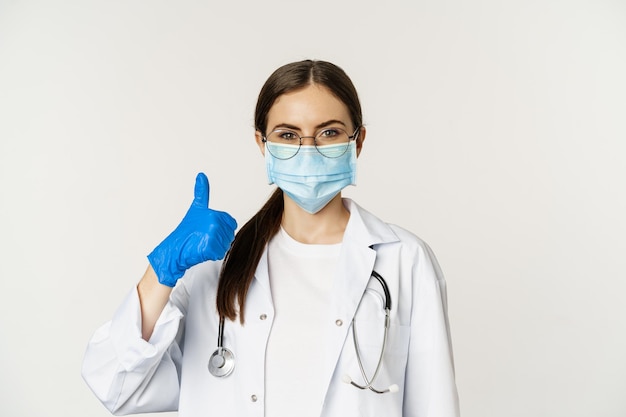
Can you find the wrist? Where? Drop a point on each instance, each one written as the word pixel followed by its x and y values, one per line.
pixel 164 274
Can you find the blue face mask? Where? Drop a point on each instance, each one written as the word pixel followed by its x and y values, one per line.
pixel 310 178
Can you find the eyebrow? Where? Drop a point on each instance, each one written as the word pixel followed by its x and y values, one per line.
pixel 319 126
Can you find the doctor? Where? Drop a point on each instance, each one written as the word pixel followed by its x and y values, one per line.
pixel 303 324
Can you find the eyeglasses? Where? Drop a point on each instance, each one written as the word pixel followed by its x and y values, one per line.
pixel 330 142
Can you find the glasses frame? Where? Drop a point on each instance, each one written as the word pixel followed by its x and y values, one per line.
pixel 354 136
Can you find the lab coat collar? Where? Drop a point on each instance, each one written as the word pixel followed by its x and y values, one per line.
pixel 366 229
pixel 363 232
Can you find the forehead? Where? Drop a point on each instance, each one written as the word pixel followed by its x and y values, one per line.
pixel 307 107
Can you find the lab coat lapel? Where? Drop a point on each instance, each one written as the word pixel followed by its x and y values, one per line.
pixel 262 275
pixel 354 270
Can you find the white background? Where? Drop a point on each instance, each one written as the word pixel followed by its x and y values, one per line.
pixel 496 132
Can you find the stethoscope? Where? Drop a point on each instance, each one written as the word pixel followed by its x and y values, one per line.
pixel 222 361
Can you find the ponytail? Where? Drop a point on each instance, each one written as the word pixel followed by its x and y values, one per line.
pixel 241 261
pixel 245 252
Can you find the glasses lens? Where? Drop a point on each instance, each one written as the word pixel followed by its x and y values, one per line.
pixel 285 144
pixel 281 150
pixel 332 142
pixel 284 136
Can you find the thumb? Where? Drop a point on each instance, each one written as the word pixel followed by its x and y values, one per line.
pixel 201 191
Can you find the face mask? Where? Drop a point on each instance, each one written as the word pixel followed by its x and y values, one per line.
pixel 309 178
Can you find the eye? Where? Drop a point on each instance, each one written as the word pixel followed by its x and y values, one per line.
pixel 329 133
pixel 286 135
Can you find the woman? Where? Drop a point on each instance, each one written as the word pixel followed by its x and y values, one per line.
pixel 304 292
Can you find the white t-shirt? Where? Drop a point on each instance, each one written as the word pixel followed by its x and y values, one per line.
pixel 301 278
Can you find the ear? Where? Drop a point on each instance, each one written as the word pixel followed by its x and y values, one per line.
pixel 359 140
pixel 258 136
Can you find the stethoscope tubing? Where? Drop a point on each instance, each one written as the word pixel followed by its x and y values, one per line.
pixel 369 382
pixel 222 361
pixel 387 307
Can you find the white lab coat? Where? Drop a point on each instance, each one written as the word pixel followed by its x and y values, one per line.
pixel 130 375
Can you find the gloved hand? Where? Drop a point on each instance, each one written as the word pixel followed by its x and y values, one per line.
pixel 202 235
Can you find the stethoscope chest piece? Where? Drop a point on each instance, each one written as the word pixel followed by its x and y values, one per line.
pixel 222 362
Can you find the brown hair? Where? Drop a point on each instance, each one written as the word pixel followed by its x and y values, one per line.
pixel 246 250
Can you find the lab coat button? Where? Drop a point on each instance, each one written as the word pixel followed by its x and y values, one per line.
pixel 339 322
pixel 263 316
pixel 253 398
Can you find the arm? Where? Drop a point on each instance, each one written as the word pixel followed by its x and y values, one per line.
pixel 203 234
pixel 133 362
pixel 129 374
pixel 430 388
pixel 153 297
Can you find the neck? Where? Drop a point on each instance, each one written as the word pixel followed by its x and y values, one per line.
pixel 324 227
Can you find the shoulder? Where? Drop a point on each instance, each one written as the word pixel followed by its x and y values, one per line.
pixel 386 232
pixel 389 238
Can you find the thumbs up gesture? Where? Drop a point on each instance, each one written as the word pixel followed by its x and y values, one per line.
pixel 202 235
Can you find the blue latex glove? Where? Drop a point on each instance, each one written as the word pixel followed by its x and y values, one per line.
pixel 202 235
